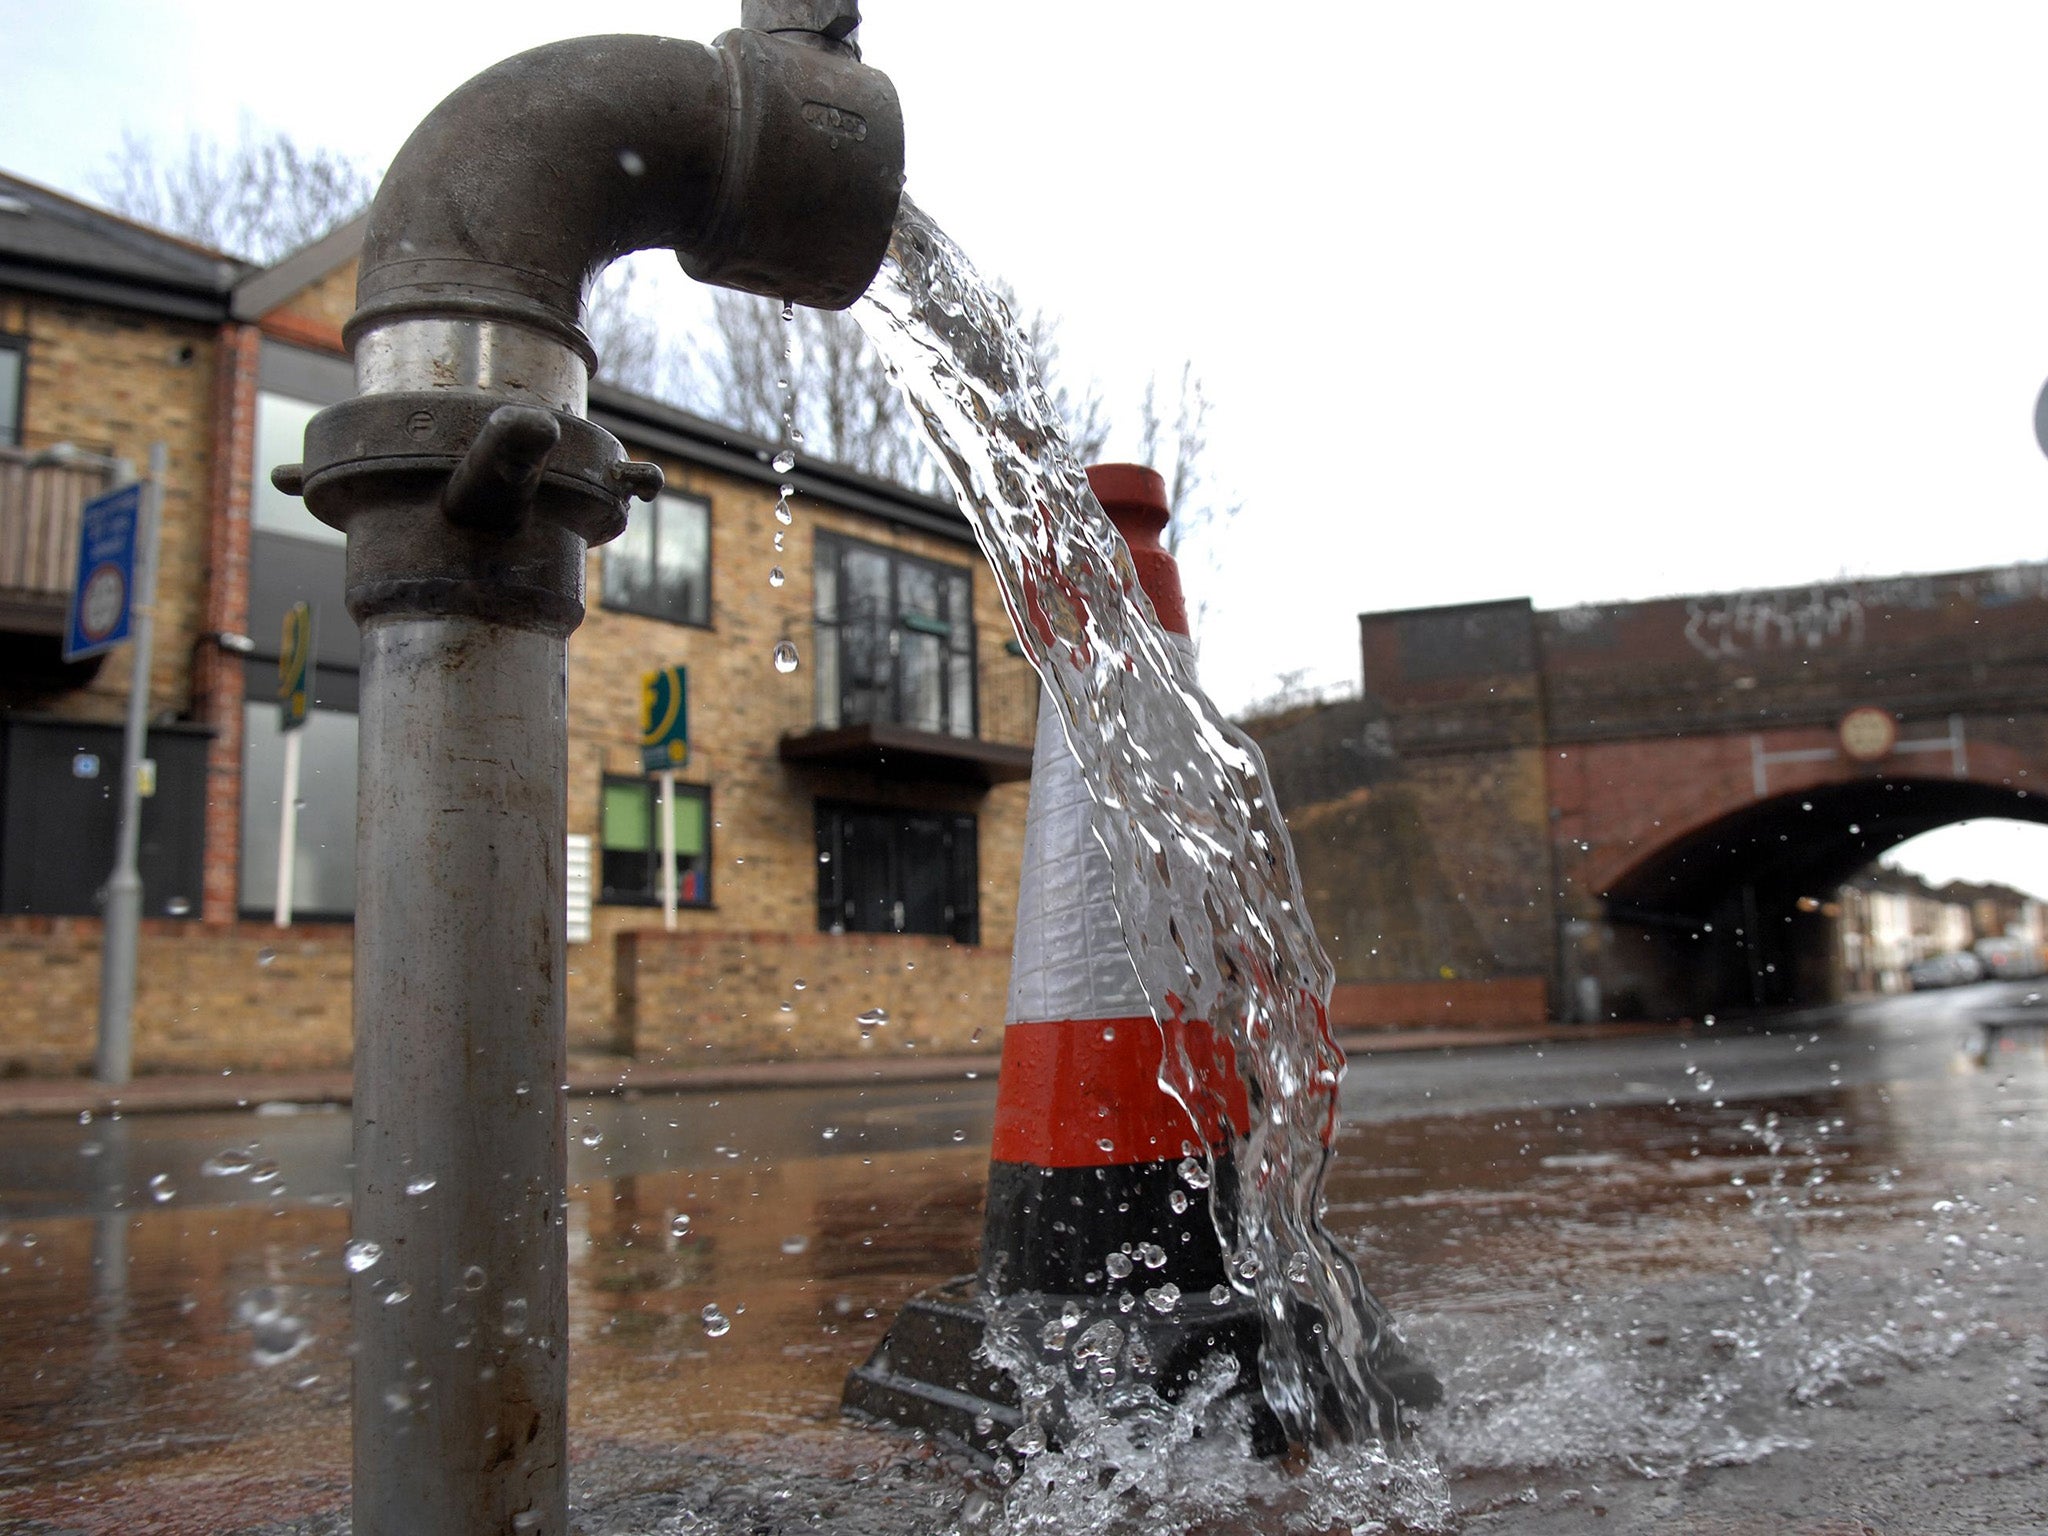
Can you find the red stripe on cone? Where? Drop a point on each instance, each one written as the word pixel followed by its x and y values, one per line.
pixel 1069 1086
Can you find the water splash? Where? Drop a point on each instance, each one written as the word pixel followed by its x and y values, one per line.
pixel 1207 891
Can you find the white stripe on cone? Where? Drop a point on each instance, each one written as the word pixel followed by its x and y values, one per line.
pixel 1069 960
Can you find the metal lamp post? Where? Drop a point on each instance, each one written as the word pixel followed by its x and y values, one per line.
pixel 113 1054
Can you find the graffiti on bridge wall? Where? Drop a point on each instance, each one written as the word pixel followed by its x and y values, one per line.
pixel 1740 624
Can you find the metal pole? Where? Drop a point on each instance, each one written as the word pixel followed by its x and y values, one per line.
pixel 668 849
pixel 114 1056
pixel 288 829
pixel 461 1323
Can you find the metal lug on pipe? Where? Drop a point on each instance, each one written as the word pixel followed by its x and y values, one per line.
pixel 494 485
pixel 637 479
pixel 834 21
pixel 289 478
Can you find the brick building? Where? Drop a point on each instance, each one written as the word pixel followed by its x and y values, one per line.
pixel 847 833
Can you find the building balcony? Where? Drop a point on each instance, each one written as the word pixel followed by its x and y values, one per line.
pixel 906 699
pixel 39 513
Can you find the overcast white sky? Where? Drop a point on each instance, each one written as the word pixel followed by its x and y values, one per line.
pixel 1574 301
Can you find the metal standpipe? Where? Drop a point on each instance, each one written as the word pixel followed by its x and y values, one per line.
pixel 470 486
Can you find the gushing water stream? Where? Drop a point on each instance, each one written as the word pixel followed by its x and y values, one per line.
pixel 1208 895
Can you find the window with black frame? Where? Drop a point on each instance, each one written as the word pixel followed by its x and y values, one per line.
pixel 895 639
pixel 13 364
pixel 660 567
pixel 629 843
pixel 882 869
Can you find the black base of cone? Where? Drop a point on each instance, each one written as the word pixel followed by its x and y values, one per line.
pixel 929 1371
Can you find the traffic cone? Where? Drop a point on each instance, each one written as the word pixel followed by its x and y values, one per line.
pixel 1088 1208
pixel 1105 1193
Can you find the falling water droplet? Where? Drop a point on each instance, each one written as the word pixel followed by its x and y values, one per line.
pixel 783 462
pixel 1164 1298
pixel 1152 1256
pixel 473 1278
pixel 512 1323
pixel 420 1185
pixel 680 1227
pixel 1193 1174
pixel 266 956
pixel 788 310
pixel 1219 1295
pixel 161 1189
pixel 798 984
pixel 795 1243
pixel 872 1018
pixel 1178 1200
pixel 593 1138
pixel 631 163
pixel 1297 1268
pixel 228 1161
pixel 398 1295
pixel 362 1253
pixel 1118 1265
pixel 716 1324
pixel 785 657
pixel 775 576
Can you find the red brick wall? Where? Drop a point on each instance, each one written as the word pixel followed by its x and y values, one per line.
pixel 217 684
pixel 1421 1004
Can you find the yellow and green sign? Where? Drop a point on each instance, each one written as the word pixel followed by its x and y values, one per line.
pixel 295 667
pixel 665 719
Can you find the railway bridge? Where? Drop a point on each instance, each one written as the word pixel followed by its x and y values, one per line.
pixel 1639 810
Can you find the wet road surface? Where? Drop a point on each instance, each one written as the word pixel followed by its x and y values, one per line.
pixel 1643 1289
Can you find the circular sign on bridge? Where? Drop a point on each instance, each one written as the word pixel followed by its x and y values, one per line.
pixel 1868 733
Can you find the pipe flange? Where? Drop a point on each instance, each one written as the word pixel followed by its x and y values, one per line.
pixel 585 485
pixel 456 502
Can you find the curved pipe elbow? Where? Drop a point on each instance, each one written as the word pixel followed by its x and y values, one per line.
pixel 766 163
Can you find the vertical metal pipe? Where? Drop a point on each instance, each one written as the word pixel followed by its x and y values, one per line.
pixel 121 925
pixel 461 1366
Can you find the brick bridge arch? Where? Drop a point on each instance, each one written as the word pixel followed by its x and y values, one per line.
pixel 1525 809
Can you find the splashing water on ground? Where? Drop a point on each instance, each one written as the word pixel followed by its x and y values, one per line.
pixel 1206 886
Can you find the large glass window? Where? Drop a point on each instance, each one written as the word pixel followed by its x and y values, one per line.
pixel 885 870
pixel 324 871
pixel 895 639
pixel 281 439
pixel 629 839
pixel 13 357
pixel 661 565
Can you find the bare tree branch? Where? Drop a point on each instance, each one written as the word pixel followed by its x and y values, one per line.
pixel 260 198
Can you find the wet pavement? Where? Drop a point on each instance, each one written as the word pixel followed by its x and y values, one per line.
pixel 1735 1282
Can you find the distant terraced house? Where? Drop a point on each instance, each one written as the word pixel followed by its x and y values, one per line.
pixel 852 825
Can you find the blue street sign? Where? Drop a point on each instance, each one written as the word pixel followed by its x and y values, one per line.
pixel 664 719
pixel 102 594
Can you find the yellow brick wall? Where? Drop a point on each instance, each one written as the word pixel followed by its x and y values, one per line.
pixel 112 383
pixel 208 998
pixel 716 997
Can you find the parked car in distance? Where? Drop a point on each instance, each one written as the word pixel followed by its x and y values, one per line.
pixel 2010 958
pixel 1945 971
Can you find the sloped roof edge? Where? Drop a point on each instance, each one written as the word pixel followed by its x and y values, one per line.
pixel 264 290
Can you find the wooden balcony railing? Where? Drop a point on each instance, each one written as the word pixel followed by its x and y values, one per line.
pixel 39 508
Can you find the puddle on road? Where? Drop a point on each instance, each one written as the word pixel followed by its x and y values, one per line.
pixel 718 1306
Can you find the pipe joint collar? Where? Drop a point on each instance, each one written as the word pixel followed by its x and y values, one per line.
pixel 812 176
